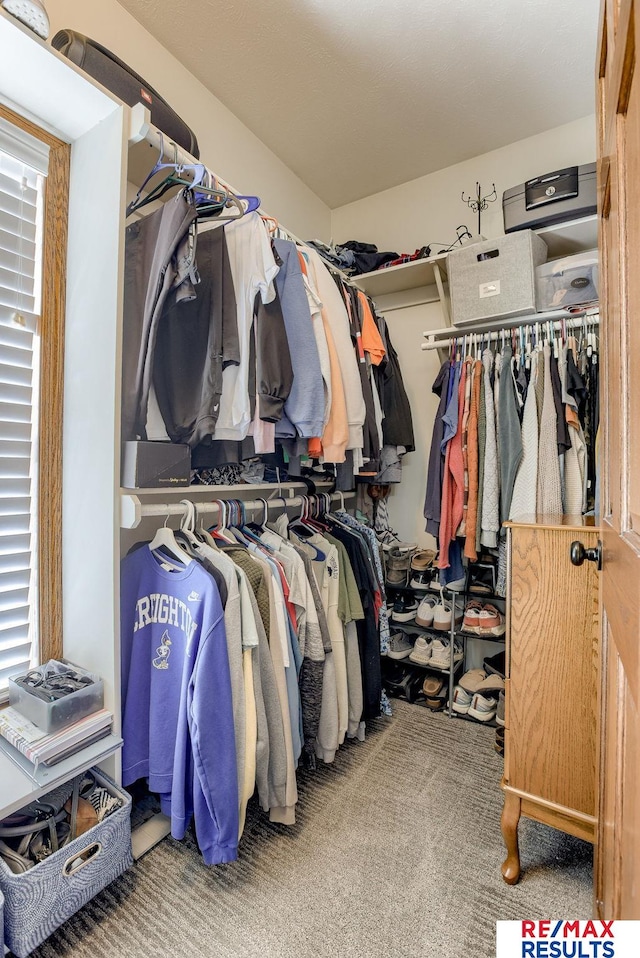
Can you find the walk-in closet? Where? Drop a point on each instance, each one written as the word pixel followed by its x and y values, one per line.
pixel 318 559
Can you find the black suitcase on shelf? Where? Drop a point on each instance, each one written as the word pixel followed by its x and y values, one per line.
pixel 116 76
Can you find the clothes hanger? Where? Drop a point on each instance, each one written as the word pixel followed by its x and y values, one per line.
pixel 312 519
pixel 202 533
pixel 158 165
pixel 174 178
pixel 256 527
pixel 303 531
pixel 253 202
pixel 208 192
pixel 165 539
pixel 188 524
pixel 271 223
pixel 214 208
pixel 186 534
pixel 220 530
pixel 237 524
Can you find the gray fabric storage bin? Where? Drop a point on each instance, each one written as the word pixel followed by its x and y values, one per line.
pixel 44 897
pixel 495 278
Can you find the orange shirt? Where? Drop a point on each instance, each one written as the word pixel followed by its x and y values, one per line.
pixel 371 339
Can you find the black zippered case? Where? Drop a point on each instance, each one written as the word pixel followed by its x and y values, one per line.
pixel 105 67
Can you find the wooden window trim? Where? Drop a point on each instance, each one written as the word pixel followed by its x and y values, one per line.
pixel 54 272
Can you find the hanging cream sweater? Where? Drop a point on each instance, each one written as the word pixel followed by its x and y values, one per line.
pixel 335 312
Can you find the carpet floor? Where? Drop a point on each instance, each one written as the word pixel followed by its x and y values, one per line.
pixel 396 852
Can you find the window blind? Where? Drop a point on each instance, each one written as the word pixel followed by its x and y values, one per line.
pixel 22 164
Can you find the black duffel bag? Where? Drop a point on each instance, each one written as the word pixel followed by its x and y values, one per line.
pixel 105 67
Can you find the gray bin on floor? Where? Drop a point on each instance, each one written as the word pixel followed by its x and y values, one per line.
pixel 44 897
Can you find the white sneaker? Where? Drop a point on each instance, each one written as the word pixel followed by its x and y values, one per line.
pixel 30 12
pixel 441 654
pixel 424 615
pixel 461 700
pixel 442 616
pixel 421 653
pixel 456 585
pixel 483 708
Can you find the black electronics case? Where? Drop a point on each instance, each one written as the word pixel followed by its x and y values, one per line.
pixel 552 198
pixel 150 465
pixel 116 76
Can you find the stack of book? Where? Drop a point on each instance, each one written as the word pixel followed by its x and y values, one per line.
pixel 49 748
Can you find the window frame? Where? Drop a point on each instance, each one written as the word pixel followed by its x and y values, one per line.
pixel 51 391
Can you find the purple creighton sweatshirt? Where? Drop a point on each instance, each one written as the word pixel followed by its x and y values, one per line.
pixel 177 718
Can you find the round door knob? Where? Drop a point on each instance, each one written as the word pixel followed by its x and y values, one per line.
pixel 578 554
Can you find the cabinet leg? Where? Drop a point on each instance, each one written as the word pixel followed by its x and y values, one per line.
pixel 509 825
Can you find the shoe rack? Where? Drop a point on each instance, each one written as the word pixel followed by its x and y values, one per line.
pixel 403 678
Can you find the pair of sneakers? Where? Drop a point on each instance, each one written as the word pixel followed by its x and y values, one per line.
pixel 404 608
pixel 435 653
pixel 483 619
pixel 476 695
pixel 478 706
pixel 434 614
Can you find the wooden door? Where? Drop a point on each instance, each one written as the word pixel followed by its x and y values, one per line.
pixel 617 874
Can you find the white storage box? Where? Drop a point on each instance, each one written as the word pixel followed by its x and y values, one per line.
pixel 495 278
pixel 571 281
pixel 40 899
pixel 54 716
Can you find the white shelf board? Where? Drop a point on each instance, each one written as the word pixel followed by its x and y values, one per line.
pixel 21 782
pixel 419 273
pixel 564 239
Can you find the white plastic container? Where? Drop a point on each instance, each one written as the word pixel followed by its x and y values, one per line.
pixel 54 716
pixel 570 281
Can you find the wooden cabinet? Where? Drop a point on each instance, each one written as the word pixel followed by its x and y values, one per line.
pixel 552 682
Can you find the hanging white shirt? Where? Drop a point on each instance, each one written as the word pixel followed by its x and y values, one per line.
pixel 253 269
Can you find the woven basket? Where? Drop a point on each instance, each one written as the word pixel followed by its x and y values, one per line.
pixel 41 899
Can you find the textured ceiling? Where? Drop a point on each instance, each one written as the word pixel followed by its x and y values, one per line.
pixel 357 96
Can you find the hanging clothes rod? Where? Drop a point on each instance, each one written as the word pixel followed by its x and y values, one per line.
pixel 436 337
pixel 141 128
pixel 135 511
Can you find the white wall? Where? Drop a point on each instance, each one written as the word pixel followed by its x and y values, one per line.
pixel 227 146
pixel 425 210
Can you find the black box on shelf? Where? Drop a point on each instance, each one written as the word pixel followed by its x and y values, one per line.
pixel 150 465
pixel 556 197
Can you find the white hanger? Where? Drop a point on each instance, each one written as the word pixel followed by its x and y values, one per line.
pixel 165 539
pixel 188 524
pixel 202 533
pixel 221 528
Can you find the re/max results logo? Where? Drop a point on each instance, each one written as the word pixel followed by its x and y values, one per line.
pixel 565 938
